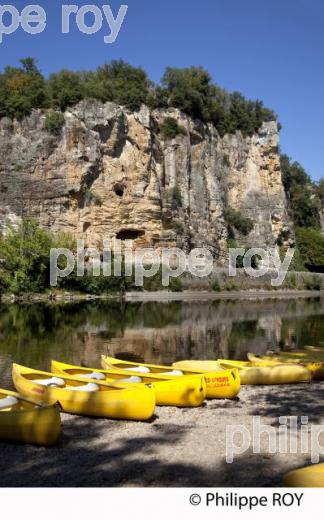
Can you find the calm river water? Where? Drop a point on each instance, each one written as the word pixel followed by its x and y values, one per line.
pixel 155 332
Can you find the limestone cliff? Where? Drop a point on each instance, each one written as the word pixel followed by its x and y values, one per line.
pixel 109 173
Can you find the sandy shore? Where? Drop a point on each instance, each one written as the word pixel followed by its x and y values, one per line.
pixel 179 447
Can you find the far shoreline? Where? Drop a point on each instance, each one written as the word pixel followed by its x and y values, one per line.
pixel 162 296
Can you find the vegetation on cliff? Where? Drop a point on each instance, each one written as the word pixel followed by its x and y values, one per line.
pixel 190 90
pixel 25 264
pixel 305 203
pixel 235 219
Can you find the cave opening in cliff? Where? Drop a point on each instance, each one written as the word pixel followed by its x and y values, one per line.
pixel 86 226
pixel 130 234
pixel 119 190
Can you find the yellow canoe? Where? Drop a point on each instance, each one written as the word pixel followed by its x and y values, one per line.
pixel 220 384
pixel 22 420
pixel 316 368
pixel 311 476
pixel 76 396
pixel 270 375
pixel 251 375
pixel 183 392
pixel 298 355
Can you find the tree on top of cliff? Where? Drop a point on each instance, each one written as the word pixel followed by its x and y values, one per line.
pixel 190 89
pixel 22 89
pixel 64 89
pixel 118 82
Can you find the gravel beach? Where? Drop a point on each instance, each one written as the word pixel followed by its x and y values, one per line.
pixel 178 447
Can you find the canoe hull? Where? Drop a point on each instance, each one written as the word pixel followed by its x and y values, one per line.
pixel 184 392
pixel 219 385
pixel 311 476
pixel 316 368
pixel 131 404
pixel 41 426
pixel 30 424
pixel 272 375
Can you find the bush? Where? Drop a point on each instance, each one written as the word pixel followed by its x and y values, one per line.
pixel 175 285
pixel 25 253
pixel 226 160
pixel 91 198
pixel 230 286
pixel 176 198
pixel 314 283
pixel 215 286
pixel 238 221
pixel 170 128
pixel 303 196
pixel 54 122
pixel 310 244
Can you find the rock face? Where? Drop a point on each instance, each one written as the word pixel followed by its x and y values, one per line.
pixel 109 173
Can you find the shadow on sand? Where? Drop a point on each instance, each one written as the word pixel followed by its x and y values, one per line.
pixel 85 456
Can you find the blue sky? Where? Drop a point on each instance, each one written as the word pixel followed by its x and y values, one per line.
pixel 268 49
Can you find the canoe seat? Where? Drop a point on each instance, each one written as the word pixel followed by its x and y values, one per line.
pixel 93 375
pixel 53 381
pixel 8 402
pixel 143 370
pixel 90 387
pixel 172 373
pixel 132 379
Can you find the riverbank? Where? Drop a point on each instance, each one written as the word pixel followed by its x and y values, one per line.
pixel 162 296
pixel 179 447
pixel 165 296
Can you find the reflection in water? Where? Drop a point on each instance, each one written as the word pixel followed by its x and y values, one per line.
pixel 156 332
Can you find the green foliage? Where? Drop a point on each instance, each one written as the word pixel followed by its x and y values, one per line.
pixel 291 281
pixel 310 244
pixel 314 283
pixel 22 89
pixel 215 286
pixel 25 253
pixel 319 190
pixel 91 198
pixel 230 286
pixel 177 227
pixel 226 160
pixel 175 285
pixel 304 202
pixel 118 82
pixel 154 283
pixel 65 89
pixel 176 199
pixel 54 122
pixel 25 256
pixel 235 219
pixel 190 89
pixel 170 128
pixel 297 263
pixel 232 244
